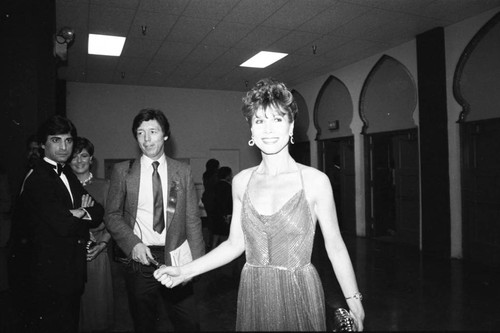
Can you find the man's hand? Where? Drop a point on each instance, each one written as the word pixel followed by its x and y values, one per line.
pixel 78 213
pixel 140 253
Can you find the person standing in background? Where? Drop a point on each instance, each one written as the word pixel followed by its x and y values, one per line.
pixel 208 200
pixel 152 213
pixel 96 311
pixel 33 151
pixel 59 213
pixel 223 205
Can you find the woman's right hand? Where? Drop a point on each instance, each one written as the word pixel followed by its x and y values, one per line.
pixel 169 276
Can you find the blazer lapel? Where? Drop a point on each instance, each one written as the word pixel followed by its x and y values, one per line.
pixel 133 183
pixel 173 184
pixel 73 183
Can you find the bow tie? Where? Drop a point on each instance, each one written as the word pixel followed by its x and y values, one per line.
pixel 58 168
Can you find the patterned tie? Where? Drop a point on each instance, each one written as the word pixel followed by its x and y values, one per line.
pixel 158 220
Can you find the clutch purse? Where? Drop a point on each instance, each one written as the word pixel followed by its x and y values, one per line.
pixel 343 322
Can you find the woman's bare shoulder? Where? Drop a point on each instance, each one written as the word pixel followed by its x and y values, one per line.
pixel 312 174
pixel 241 179
pixel 316 182
pixel 244 175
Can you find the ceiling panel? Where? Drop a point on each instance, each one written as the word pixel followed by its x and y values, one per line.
pixel 201 43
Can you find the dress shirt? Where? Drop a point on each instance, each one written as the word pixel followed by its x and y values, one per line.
pixel 143 227
pixel 62 176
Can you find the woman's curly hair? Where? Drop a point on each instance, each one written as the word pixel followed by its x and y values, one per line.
pixel 269 92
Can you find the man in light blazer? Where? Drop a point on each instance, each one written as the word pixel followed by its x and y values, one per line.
pixel 131 211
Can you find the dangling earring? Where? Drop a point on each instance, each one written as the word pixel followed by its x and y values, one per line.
pixel 251 142
pixel 291 139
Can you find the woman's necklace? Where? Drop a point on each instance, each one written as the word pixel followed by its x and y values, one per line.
pixel 88 180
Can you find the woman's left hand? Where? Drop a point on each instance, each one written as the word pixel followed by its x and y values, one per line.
pixel 357 311
pixel 358 319
pixel 94 251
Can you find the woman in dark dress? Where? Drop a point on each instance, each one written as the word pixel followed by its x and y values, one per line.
pixel 96 311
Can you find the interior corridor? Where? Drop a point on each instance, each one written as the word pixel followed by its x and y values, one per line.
pixel 402 289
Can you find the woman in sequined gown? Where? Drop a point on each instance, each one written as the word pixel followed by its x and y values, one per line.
pixel 275 208
pixel 96 310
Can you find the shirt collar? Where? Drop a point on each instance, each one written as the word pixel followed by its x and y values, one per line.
pixel 146 161
pixel 58 167
pixel 48 160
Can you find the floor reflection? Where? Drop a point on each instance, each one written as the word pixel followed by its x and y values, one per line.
pixel 403 291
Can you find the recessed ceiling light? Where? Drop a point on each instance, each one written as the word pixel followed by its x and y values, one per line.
pixel 106 45
pixel 263 59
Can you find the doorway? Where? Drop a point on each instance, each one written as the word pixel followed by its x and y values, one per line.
pixel 481 191
pixel 301 152
pixel 393 202
pixel 337 162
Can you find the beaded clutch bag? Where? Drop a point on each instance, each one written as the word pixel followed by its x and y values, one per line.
pixel 343 322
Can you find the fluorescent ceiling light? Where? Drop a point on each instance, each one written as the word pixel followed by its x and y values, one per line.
pixel 263 59
pixel 106 45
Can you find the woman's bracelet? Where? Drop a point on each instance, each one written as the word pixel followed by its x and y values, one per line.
pixel 357 295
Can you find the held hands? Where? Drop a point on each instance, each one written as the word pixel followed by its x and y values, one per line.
pixel 170 276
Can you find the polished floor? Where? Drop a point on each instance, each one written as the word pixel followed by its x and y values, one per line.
pixel 403 291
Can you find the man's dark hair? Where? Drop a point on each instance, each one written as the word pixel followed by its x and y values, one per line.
pixel 151 114
pixel 212 165
pixel 56 125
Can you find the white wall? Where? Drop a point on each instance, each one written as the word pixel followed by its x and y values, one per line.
pixel 200 120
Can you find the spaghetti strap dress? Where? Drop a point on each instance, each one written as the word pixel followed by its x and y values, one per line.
pixel 280 290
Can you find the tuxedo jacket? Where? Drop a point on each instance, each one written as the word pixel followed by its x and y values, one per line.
pixel 58 238
pixel 182 220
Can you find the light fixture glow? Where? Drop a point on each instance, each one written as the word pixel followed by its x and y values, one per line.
pixel 106 45
pixel 263 59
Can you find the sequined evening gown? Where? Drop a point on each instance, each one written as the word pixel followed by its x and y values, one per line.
pixel 280 290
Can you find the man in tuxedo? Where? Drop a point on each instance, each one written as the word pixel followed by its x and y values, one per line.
pixel 59 213
pixel 152 213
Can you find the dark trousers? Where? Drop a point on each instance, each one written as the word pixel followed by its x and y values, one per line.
pixel 143 291
pixel 57 312
pixel 38 306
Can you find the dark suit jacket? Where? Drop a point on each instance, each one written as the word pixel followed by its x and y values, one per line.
pixel 223 207
pixel 58 238
pixel 183 223
pixel 223 198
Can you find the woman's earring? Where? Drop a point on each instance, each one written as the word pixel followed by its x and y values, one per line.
pixel 291 139
pixel 251 142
